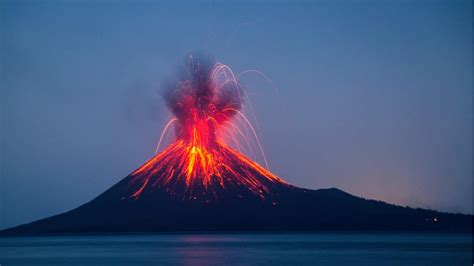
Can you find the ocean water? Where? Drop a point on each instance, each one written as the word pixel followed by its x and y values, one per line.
pixel 240 249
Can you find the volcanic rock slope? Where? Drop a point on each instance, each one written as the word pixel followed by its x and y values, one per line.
pixel 228 203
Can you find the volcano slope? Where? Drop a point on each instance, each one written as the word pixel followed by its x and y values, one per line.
pixel 146 202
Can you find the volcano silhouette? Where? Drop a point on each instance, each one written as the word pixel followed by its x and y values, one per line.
pixel 234 206
pixel 200 183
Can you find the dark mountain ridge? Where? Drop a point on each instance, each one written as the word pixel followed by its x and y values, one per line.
pixel 287 208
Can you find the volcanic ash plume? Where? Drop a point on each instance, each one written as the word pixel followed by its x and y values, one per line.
pixel 206 101
pixel 205 96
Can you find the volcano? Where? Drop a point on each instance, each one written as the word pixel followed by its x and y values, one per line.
pixel 200 182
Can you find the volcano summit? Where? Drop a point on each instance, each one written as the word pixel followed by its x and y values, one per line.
pixel 203 181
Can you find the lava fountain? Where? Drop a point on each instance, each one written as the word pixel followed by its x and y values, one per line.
pixel 206 103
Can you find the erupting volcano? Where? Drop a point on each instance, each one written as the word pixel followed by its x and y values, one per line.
pixel 199 164
pixel 207 179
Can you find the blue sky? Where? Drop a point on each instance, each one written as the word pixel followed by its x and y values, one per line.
pixel 375 97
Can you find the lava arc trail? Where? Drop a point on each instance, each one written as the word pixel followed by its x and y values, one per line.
pixel 206 102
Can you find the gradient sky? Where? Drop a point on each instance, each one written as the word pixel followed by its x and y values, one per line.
pixel 375 97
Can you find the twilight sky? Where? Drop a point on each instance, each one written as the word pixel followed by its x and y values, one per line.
pixel 375 97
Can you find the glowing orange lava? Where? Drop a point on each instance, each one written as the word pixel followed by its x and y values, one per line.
pixel 206 102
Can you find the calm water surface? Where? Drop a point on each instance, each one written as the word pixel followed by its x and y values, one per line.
pixel 240 249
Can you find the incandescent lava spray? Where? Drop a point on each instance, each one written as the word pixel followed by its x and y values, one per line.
pixel 206 103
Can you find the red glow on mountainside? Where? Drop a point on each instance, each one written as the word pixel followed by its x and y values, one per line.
pixel 206 102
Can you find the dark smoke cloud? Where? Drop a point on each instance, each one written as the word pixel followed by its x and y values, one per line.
pixel 203 88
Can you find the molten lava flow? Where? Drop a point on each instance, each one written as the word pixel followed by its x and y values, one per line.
pixel 204 101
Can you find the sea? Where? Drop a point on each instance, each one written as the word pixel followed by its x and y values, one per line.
pixel 240 249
